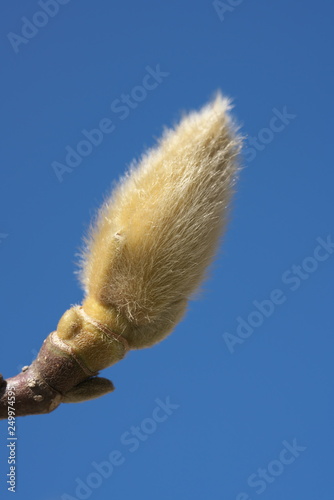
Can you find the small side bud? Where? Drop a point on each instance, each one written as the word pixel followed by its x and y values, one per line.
pixel 88 342
pixel 89 389
pixel 70 325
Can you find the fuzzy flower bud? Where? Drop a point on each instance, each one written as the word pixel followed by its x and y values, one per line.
pixel 153 239
pixel 147 253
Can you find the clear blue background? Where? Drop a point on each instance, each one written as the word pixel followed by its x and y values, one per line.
pixel 235 410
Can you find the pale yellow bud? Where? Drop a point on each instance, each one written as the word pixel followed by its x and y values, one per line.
pixel 148 251
pixel 154 238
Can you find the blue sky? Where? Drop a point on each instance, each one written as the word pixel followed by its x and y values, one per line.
pixel 245 382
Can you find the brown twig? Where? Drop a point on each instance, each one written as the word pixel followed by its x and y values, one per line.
pixel 55 376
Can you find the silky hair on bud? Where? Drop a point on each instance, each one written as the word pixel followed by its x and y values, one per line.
pixel 154 238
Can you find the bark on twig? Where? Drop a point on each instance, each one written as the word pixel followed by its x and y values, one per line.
pixel 56 376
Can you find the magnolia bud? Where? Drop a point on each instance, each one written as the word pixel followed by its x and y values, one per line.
pixel 146 254
pixel 153 239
